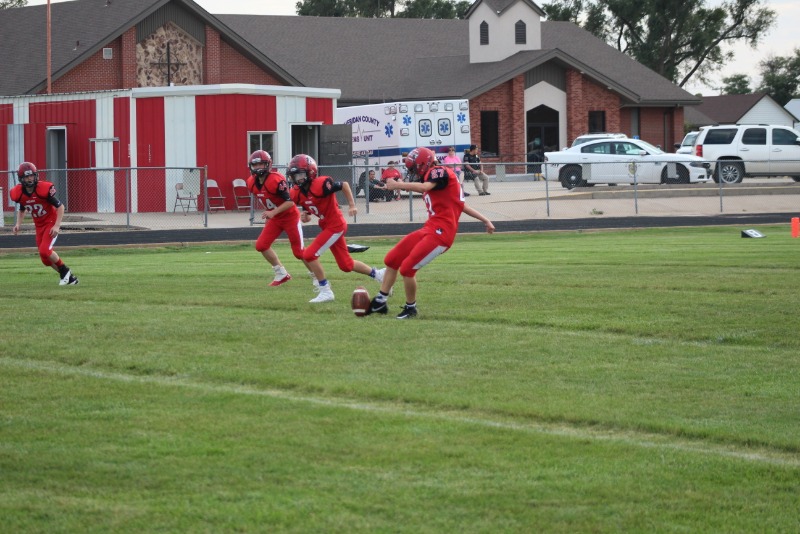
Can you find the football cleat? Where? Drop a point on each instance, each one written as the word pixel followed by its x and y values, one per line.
pixel 409 312
pixel 314 282
pixel 355 249
pixel 325 295
pixel 65 280
pixel 377 307
pixel 73 281
pixel 280 278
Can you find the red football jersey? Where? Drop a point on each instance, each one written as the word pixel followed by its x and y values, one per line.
pixel 444 203
pixel 321 201
pixel 273 193
pixel 41 204
pixel 391 172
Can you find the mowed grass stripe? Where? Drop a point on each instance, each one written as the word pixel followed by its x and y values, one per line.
pixel 561 429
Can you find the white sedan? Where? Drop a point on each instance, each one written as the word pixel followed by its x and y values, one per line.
pixel 622 161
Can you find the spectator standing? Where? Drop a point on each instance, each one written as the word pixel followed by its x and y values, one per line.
pixel 472 169
pixel 454 162
pixel 535 155
pixel 39 199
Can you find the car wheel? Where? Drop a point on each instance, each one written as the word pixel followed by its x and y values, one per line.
pixel 572 177
pixel 729 172
pixel 682 178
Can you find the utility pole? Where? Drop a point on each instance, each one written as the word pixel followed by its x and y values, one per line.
pixel 49 51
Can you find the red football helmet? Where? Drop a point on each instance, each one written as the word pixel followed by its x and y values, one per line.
pixel 27 169
pixel 418 162
pixel 260 156
pixel 302 164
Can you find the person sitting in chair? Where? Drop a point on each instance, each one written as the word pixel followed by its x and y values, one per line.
pixel 392 173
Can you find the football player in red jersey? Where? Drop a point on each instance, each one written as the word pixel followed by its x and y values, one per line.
pixel 280 213
pixel 39 199
pixel 444 200
pixel 316 195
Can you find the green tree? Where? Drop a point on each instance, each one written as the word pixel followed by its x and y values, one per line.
pixel 780 77
pixel 431 9
pixel 679 39
pixel 13 3
pixel 434 9
pixel 737 84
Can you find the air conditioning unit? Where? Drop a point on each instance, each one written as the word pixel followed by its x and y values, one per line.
pixel 108 53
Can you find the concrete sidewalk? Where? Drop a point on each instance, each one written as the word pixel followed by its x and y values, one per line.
pixel 517 206
pixel 508 201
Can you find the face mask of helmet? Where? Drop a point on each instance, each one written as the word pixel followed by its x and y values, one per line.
pixel 260 163
pixel 418 162
pixel 28 175
pixel 299 178
pixel 259 169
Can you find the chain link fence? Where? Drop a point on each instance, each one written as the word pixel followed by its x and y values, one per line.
pixel 176 198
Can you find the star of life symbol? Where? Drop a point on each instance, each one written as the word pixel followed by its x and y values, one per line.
pixel 425 127
pixel 461 118
pixel 406 120
pixel 444 127
pixel 389 130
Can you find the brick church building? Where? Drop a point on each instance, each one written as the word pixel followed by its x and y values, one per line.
pixel 525 78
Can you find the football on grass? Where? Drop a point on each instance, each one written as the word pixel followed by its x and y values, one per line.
pixel 360 301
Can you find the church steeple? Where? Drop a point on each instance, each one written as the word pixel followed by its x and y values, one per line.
pixel 500 28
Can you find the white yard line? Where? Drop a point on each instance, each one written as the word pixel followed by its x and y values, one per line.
pixel 625 437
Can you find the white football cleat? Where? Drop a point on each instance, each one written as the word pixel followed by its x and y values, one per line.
pixel 65 279
pixel 325 294
pixel 281 276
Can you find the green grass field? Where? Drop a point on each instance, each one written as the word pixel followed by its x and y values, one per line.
pixel 629 381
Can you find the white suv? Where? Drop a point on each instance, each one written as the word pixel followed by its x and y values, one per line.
pixel 750 150
pixel 687 145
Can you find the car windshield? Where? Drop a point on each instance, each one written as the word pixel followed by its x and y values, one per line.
pixel 650 148
pixel 689 139
pixel 581 140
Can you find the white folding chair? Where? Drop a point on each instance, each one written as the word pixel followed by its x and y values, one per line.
pixel 241 195
pixel 216 200
pixel 183 198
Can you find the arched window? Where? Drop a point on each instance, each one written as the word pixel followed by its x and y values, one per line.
pixel 519 33
pixel 484 33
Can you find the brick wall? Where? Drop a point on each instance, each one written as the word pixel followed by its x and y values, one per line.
pixel 235 68
pixel 94 74
pixel 211 58
pixel 584 96
pixel 662 127
pixel 221 64
pixel 508 100
pixel 128 57
pixel 678 126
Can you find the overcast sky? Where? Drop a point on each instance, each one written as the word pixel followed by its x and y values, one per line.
pixel 781 41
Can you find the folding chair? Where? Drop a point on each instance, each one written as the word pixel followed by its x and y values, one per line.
pixel 241 194
pixel 216 201
pixel 184 199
